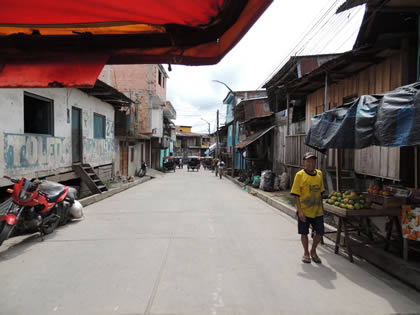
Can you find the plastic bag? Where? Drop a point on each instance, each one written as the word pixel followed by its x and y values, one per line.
pixel 276 184
pixel 284 181
pixel 256 181
pixel 267 181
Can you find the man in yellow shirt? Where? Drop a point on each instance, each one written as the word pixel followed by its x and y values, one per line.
pixel 308 187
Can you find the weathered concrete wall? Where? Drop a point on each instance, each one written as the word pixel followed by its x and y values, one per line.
pixel 157 122
pixel 38 155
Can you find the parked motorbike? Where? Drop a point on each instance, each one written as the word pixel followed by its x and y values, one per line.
pixel 142 171
pixel 38 206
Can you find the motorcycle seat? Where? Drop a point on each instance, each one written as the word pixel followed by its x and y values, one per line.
pixel 53 190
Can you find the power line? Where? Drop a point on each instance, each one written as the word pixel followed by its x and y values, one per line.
pixel 308 33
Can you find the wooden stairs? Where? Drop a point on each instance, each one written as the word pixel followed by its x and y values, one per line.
pixel 88 175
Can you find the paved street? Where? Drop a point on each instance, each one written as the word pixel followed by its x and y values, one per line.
pixel 188 243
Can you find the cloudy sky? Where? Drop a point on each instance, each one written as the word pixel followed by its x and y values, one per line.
pixel 278 34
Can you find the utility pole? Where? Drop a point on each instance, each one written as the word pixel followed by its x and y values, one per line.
pixel 234 125
pixel 217 137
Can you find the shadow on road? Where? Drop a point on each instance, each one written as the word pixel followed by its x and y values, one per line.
pixel 319 273
pixel 21 243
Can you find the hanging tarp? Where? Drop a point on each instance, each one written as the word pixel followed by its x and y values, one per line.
pixel 390 120
pixel 38 34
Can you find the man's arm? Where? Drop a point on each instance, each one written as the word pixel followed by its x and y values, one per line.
pixel 299 209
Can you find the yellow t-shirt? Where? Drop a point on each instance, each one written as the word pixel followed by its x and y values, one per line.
pixel 309 189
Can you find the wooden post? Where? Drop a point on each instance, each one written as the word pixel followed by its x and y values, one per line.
pixel 326 107
pixel 338 168
pixel 288 112
pixel 326 93
pixel 416 176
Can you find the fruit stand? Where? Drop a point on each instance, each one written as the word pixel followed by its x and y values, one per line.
pixel 349 207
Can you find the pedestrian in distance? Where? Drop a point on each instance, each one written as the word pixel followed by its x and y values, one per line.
pixel 221 166
pixel 308 187
pixel 216 167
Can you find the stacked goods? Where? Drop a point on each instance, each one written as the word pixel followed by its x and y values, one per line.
pixel 375 190
pixel 384 198
pixel 411 223
pixel 349 200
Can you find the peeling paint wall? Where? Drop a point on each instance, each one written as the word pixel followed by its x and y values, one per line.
pixel 37 155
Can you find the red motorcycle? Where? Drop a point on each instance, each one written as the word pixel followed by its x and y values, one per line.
pixel 38 206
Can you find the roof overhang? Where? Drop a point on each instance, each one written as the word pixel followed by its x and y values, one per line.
pixel 108 94
pixel 67 43
pixel 253 138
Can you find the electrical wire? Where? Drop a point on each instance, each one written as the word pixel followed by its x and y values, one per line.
pixel 303 40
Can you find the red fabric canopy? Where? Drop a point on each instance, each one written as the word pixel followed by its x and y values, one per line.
pixel 66 43
pixel 47 12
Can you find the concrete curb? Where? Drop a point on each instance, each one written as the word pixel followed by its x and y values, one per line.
pixel 283 207
pixel 98 197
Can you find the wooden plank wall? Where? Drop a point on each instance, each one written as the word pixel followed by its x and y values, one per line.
pixel 296 148
pixel 379 78
pixel 104 172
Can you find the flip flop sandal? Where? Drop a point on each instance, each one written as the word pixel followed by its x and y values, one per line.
pixel 306 260
pixel 316 259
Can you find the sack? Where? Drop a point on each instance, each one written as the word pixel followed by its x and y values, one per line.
pixel 276 184
pixel 267 181
pixel 262 181
pixel 284 181
pixel 256 182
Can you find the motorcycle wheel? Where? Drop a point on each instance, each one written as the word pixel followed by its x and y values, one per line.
pixel 6 230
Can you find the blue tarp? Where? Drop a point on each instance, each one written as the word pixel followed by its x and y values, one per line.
pixel 391 119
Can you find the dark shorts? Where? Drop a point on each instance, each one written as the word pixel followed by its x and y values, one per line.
pixel 317 225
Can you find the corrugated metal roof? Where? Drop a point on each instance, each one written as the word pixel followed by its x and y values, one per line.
pixel 253 138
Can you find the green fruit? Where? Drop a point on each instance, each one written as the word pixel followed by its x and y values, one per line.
pixel 351 202
pixel 362 201
pixel 337 204
pixel 347 192
pixel 338 195
pixel 357 206
pixel 342 205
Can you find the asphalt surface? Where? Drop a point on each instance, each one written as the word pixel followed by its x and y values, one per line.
pixel 188 243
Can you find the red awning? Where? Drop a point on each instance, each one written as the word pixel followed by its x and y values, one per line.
pixel 66 43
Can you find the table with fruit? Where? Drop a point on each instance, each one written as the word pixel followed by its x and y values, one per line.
pixel 349 204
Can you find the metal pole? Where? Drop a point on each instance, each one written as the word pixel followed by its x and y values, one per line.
pixel 233 136
pixel 234 124
pixel 217 137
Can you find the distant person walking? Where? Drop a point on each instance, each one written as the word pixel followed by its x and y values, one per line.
pixel 308 187
pixel 221 166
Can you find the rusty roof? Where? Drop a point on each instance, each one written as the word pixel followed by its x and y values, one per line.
pixel 253 138
pixel 108 94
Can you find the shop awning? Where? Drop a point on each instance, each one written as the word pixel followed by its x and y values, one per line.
pixel 66 43
pixel 253 138
pixel 211 149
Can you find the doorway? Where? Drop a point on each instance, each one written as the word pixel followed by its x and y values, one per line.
pixel 76 135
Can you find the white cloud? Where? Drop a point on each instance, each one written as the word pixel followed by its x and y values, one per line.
pixel 257 55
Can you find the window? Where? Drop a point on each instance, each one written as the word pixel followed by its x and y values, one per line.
pixel 160 78
pixel 132 154
pixel 38 114
pixel 98 126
